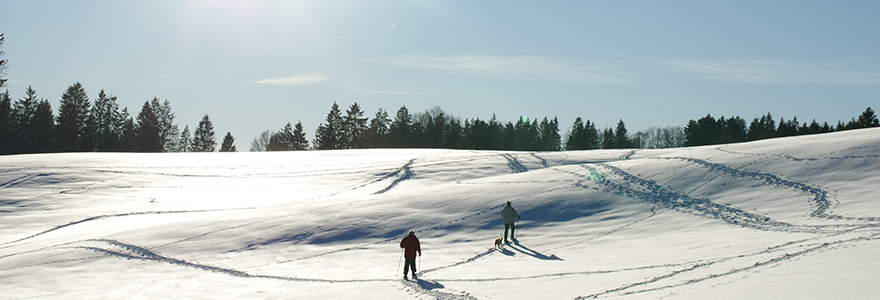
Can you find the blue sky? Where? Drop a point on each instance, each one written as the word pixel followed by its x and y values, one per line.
pixel 256 65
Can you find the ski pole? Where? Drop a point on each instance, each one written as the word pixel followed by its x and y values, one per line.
pixel 401 258
pixel 516 224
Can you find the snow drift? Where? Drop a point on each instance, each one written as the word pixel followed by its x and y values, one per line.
pixel 791 218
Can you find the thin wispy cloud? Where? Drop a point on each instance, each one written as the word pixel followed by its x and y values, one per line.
pixel 536 68
pixel 294 80
pixel 381 92
pixel 776 71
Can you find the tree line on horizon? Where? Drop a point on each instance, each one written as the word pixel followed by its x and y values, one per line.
pixel 710 131
pixel 435 128
pixel 29 125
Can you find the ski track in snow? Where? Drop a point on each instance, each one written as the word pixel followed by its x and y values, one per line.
pixel 820 197
pixel 781 253
pixel 653 213
pixel 407 173
pixel 17 181
pixel 129 251
pixel 541 159
pixel 120 249
pixel 430 289
pixel 6 244
pixel 635 187
pixel 515 165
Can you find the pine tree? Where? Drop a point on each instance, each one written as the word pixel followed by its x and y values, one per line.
pixel 621 138
pixel 354 128
pixel 496 133
pixel 734 130
pixel 574 138
pixel 73 116
pixel 105 120
pixel 583 136
pixel 168 131
pixel 478 135
pixel 454 133
pixel 44 127
pixel 704 131
pixel 203 137
pixel 813 128
pixel 282 140
pixel 148 132
pixel 228 144
pixel 549 139
pixel 592 136
pixel 787 128
pixel 128 132
pixel 437 129
pixel 482 135
pixel 23 114
pixel 525 135
pixel 33 125
pixel 508 137
pixel 185 140
pixel 867 119
pixel 400 133
pixel 431 124
pixel 299 137
pixel 377 134
pixel 709 131
pixel 762 128
pixel 329 136
pixel 608 141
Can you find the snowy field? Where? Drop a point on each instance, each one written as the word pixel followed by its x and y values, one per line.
pixel 789 218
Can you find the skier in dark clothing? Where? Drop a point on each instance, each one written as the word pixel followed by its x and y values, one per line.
pixel 410 245
pixel 510 216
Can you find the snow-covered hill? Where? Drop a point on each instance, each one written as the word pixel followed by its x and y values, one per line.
pixel 790 218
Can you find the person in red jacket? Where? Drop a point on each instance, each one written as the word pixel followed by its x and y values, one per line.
pixel 410 245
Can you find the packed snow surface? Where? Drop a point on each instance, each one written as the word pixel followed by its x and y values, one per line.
pixel 788 218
